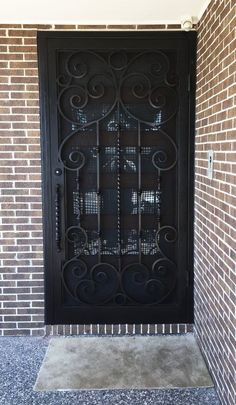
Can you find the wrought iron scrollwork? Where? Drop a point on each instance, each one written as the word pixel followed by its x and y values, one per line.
pixel 152 286
pixel 165 157
pixel 100 287
pixel 70 159
pixel 158 102
pixel 118 85
pixel 81 89
pixel 77 236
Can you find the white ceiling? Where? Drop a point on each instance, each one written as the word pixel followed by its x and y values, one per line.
pixel 100 11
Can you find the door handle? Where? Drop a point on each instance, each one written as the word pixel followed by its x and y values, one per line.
pixel 58 218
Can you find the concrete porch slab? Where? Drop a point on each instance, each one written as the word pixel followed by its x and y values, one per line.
pixel 127 362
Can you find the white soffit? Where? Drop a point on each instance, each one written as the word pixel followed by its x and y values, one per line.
pixel 100 11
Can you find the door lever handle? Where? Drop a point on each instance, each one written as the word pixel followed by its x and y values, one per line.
pixel 58 218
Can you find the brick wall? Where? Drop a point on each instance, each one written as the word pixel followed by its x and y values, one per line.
pixel 21 273
pixel 215 208
pixel 21 282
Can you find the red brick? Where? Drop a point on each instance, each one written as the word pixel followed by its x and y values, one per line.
pixel 215 199
pixel 22 33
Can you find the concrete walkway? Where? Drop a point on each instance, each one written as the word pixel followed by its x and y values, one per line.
pixel 21 358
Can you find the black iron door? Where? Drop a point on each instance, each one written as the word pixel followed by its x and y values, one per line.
pixel 117 129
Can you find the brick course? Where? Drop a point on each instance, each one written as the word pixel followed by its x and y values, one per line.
pixel 215 223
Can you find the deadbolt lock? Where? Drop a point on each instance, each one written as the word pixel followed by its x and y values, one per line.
pixel 58 172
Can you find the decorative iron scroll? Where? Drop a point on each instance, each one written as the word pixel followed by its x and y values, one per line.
pixel 92 87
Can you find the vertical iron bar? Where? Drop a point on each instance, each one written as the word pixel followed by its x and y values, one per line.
pixel 159 202
pixel 77 206
pixel 118 187
pixel 139 193
pixel 78 198
pixel 98 193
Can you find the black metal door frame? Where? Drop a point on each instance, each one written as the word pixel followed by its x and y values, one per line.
pixel 53 217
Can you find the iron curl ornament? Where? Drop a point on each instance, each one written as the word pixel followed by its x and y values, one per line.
pixel 135 285
pixel 81 87
pixel 87 95
pixel 156 95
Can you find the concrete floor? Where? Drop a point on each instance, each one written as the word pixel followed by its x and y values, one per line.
pixel 21 358
pixel 125 362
